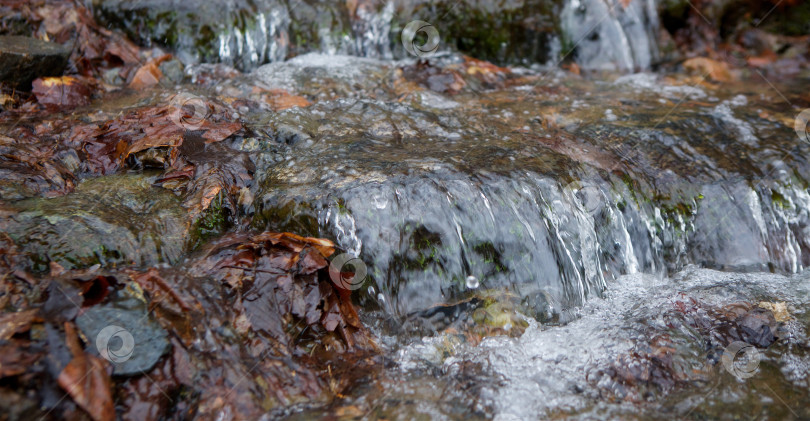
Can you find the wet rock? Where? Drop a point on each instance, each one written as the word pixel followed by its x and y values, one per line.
pixel 114 220
pixel 122 332
pixel 758 327
pixel 24 59
pixel 173 70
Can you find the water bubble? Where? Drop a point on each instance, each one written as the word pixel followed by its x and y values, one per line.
pixel 472 282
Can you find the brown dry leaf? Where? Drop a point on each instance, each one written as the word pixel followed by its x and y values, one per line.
pixel 763 60
pixel 713 69
pixel 282 100
pixel 779 310
pixel 61 92
pixel 146 76
pixel 573 68
pixel 86 380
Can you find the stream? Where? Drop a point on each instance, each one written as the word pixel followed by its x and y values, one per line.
pixel 625 240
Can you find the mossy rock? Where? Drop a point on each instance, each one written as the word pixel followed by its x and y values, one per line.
pixel 113 220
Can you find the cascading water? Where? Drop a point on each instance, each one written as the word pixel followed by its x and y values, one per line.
pixel 432 194
pixel 598 34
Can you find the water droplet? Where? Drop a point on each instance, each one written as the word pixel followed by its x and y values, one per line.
pixel 472 282
pixel 381 298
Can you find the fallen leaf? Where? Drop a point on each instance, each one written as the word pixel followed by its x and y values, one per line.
pixel 146 76
pixel 14 323
pixel 16 357
pixel 779 310
pixel 296 242
pixel 86 380
pixel 706 67
pixel 152 281
pixel 281 100
pixel 61 92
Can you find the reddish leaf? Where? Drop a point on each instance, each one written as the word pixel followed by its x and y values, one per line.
pixel 61 92
pixel 86 380
pixel 146 76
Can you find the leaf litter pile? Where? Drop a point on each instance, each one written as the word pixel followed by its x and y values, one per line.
pixel 247 324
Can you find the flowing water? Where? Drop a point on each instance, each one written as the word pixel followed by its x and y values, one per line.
pixel 582 210
pixel 599 34
pixel 537 244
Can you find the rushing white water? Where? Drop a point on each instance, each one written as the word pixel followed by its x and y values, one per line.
pixel 561 369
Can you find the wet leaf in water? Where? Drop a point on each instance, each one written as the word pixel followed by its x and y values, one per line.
pixel 31 166
pixel 86 380
pixel 706 67
pixel 110 143
pixel 149 74
pixel 285 278
pixel 280 99
pixel 296 242
pixel 61 92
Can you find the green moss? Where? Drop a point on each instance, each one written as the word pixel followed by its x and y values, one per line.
pixel 213 222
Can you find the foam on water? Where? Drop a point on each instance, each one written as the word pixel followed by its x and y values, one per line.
pixel 556 368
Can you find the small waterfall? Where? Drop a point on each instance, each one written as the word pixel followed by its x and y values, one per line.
pixel 599 34
pixel 611 34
